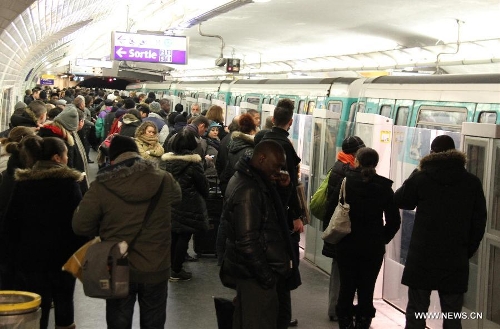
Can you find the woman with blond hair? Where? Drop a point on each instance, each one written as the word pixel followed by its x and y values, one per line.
pixel 146 138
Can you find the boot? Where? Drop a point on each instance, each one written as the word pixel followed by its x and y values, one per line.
pixel 345 322
pixel 72 326
pixel 363 322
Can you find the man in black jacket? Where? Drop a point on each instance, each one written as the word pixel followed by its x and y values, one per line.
pixel 258 250
pixel 449 226
pixel 282 119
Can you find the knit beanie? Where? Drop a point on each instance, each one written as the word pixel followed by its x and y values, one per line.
pixel 351 144
pixel 155 107
pixel 121 144
pixel 442 143
pixel 20 105
pixel 68 118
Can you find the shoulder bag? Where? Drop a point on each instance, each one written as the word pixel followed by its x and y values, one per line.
pixel 340 223
pixel 105 270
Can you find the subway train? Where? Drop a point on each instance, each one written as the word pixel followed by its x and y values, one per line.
pixel 434 102
pixel 414 110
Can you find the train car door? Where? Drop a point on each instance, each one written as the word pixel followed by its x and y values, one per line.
pixel 481 143
pixel 323 153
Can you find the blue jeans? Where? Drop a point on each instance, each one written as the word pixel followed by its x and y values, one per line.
pixel 152 304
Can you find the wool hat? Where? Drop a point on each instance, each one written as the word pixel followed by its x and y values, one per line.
pixel 351 144
pixel 442 143
pixel 61 102
pixel 121 144
pixel 108 102
pixel 68 118
pixel 213 124
pixel 155 107
pixel 20 105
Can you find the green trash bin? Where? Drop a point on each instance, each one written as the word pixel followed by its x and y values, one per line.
pixel 19 310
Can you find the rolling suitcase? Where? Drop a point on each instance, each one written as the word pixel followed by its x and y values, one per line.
pixel 204 242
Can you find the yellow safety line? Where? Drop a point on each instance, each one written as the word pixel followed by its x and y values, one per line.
pixel 9 307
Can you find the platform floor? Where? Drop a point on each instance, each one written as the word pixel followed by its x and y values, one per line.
pixel 190 304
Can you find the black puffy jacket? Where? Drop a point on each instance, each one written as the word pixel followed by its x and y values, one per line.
pixel 190 215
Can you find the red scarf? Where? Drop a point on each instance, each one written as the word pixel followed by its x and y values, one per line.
pixel 346 158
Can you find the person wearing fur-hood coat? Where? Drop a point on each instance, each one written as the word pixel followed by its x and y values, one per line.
pixel 190 215
pixel 449 225
pixel 38 227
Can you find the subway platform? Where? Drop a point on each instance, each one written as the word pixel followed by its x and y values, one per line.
pixel 190 304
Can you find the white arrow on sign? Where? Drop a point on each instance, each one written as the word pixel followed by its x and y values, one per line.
pixel 120 52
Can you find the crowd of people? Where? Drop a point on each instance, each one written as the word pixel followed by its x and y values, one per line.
pixel 144 149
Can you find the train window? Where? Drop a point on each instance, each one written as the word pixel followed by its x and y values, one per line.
pixel 385 110
pixel 402 116
pixel 222 97
pixel 352 111
pixel 265 101
pixel 253 100
pixel 441 117
pixel 335 106
pixel 180 95
pixel 302 103
pixel 310 107
pixel 488 117
pixel 237 101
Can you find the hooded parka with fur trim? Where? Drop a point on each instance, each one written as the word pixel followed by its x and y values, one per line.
pixel 115 206
pixel 190 215
pixel 449 222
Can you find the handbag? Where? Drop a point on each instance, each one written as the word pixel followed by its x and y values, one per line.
pixel 105 270
pixel 319 199
pixel 340 223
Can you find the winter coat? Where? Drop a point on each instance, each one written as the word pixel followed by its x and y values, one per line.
pixel 369 202
pixel 257 245
pixel 190 215
pixel 115 206
pixel 240 146
pixel 449 222
pixel 129 126
pixel 38 217
pixel 156 119
pixel 100 124
pixel 338 172
pixel 288 194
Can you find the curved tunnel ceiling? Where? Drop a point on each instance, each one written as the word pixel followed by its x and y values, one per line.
pixel 276 37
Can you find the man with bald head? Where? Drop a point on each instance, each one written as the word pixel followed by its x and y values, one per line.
pixel 259 250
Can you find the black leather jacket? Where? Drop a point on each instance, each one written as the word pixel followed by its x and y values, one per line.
pixel 257 245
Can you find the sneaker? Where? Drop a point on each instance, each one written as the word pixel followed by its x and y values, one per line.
pixel 180 276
